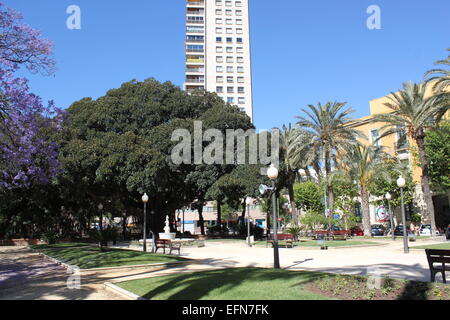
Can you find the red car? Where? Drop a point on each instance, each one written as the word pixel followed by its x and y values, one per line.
pixel 356 232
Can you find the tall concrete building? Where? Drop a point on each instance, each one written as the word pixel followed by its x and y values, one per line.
pixel 218 50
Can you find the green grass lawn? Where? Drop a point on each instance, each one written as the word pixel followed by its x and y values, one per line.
pixel 228 284
pixel 313 243
pixel 91 257
pixel 272 284
pixel 442 246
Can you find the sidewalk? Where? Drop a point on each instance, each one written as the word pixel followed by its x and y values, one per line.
pixel 27 276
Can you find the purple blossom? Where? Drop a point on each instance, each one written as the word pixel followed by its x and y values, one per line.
pixel 20 44
pixel 26 157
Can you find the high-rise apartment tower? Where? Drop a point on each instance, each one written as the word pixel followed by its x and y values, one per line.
pixel 218 50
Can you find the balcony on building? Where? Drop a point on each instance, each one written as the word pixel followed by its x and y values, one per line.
pixel 195 59
pixel 195 11
pixel 195 3
pixel 195 39
pixel 195 79
pixel 193 88
pixel 195 69
pixel 195 48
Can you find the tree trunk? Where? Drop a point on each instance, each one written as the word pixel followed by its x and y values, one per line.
pixel 330 194
pixel 124 226
pixel 426 186
pixel 365 211
pixel 219 213
pixel 201 219
pixel 292 200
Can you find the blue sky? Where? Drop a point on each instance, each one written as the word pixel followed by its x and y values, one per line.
pixel 303 51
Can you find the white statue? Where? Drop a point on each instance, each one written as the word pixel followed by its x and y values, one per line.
pixel 167 228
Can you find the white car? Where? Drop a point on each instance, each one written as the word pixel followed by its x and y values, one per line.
pixel 425 230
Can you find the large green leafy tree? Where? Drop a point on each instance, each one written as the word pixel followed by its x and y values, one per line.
pixel 309 196
pixel 387 183
pixel 330 134
pixel 437 147
pixel 414 110
pixel 119 146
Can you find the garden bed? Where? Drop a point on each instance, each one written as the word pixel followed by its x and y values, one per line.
pixel 346 287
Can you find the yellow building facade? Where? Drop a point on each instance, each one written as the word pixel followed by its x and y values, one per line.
pixel 401 146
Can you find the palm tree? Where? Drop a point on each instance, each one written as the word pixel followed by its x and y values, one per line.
pixel 330 134
pixel 413 111
pixel 440 77
pixel 362 163
pixel 292 142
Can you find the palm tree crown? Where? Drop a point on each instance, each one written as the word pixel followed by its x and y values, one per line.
pixel 440 77
pixel 411 108
pixel 328 133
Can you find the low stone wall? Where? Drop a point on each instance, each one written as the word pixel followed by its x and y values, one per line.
pixel 20 242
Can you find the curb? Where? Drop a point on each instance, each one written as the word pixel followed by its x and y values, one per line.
pixel 115 289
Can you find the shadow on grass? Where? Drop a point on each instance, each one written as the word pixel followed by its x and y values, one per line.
pixel 194 286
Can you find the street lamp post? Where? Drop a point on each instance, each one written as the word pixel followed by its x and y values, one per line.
pixel 145 200
pixel 248 201
pixel 401 182
pixel 272 173
pixel 388 198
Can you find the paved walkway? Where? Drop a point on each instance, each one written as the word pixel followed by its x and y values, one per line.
pixel 389 259
pixel 27 276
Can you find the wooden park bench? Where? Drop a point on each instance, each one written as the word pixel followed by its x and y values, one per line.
pixel 438 256
pixel 322 235
pixel 167 244
pixel 289 241
pixel 341 234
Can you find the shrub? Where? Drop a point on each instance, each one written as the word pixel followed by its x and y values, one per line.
pixel 50 237
pixel 104 236
pixel 294 231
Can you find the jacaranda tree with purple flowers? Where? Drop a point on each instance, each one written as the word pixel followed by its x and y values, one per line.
pixel 26 157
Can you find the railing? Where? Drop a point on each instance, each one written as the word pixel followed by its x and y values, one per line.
pixel 195 70
pixel 195 22
pixel 195 50
pixel 195 31
pixel 195 60
pixel 195 80
pixel 195 3
pixel 195 41
pixel 196 13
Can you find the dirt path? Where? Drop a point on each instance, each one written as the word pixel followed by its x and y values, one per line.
pixel 27 276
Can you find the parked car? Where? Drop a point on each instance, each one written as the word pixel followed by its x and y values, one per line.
pixel 356 232
pixel 399 230
pixel 399 233
pixel 425 230
pixel 447 232
pixel 378 230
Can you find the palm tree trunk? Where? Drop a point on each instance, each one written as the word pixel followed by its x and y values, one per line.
pixel 292 200
pixel 426 185
pixel 330 194
pixel 365 211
